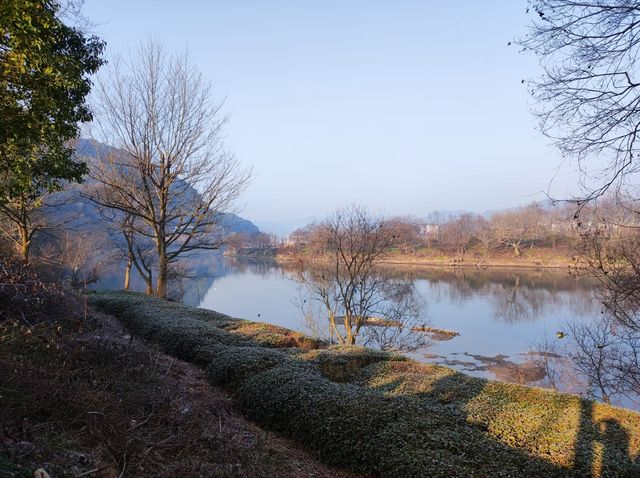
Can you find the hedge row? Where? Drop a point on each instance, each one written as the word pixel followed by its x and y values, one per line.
pixel 382 414
pixel 186 332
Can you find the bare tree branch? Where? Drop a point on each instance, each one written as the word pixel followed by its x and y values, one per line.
pixel 589 94
pixel 174 175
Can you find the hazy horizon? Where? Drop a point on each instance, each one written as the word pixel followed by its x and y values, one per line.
pixel 406 107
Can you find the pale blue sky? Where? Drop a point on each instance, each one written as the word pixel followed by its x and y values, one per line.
pixel 405 106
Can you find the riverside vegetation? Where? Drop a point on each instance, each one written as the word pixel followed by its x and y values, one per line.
pixel 537 235
pixel 382 414
pixel 80 397
pixel 83 398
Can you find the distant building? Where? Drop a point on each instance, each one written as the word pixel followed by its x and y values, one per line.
pixel 427 230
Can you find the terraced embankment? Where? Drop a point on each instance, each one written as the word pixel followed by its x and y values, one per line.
pixel 382 414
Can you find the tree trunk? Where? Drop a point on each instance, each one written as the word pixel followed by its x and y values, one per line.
pixel 516 250
pixel 350 339
pixel 127 273
pixel 161 282
pixel 145 272
pixel 148 279
pixel 25 244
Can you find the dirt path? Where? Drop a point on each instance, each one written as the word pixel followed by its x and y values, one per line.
pixel 101 404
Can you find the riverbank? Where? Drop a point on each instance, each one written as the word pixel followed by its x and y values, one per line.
pixel 84 398
pixel 382 414
pixel 561 258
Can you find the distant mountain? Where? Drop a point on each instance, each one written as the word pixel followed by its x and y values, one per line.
pixel 239 225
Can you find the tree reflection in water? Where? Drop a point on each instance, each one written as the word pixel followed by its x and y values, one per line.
pixel 392 312
pixel 516 295
pixel 597 359
pixel 594 358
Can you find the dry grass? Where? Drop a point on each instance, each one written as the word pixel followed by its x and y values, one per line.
pixel 97 402
pixel 562 257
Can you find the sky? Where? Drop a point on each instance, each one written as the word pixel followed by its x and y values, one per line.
pixel 406 107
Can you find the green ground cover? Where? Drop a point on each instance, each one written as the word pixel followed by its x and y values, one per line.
pixel 382 414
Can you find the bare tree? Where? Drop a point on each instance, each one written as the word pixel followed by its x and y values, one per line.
pixel 74 257
pixel 175 177
pixel 406 234
pixel 589 93
pixel 308 238
pixel 607 351
pixel 616 264
pixel 132 240
pixel 404 320
pixel 590 104
pixel 344 279
pixel 615 215
pixel 608 357
pixel 459 232
pixel 482 231
pixel 25 217
pixel 513 228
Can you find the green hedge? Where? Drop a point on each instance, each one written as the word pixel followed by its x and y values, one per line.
pixel 365 430
pixel 231 366
pixel 343 363
pixel 382 414
pixel 184 331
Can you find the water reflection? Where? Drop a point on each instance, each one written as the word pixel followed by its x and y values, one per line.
pixel 516 295
pixel 258 266
pixel 507 319
pixel 597 359
pixel 373 309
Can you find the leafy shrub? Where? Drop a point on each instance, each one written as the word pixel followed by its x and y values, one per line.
pixel 384 415
pixel 365 430
pixel 560 428
pixel 183 331
pixel 230 366
pixel 342 363
pixel 171 327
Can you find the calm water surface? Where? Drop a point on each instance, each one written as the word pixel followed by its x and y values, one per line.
pixel 501 315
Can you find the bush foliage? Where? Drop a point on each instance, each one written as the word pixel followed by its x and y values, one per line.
pixel 382 414
pixel 27 298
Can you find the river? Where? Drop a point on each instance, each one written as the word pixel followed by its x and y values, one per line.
pixel 508 320
pixel 512 324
